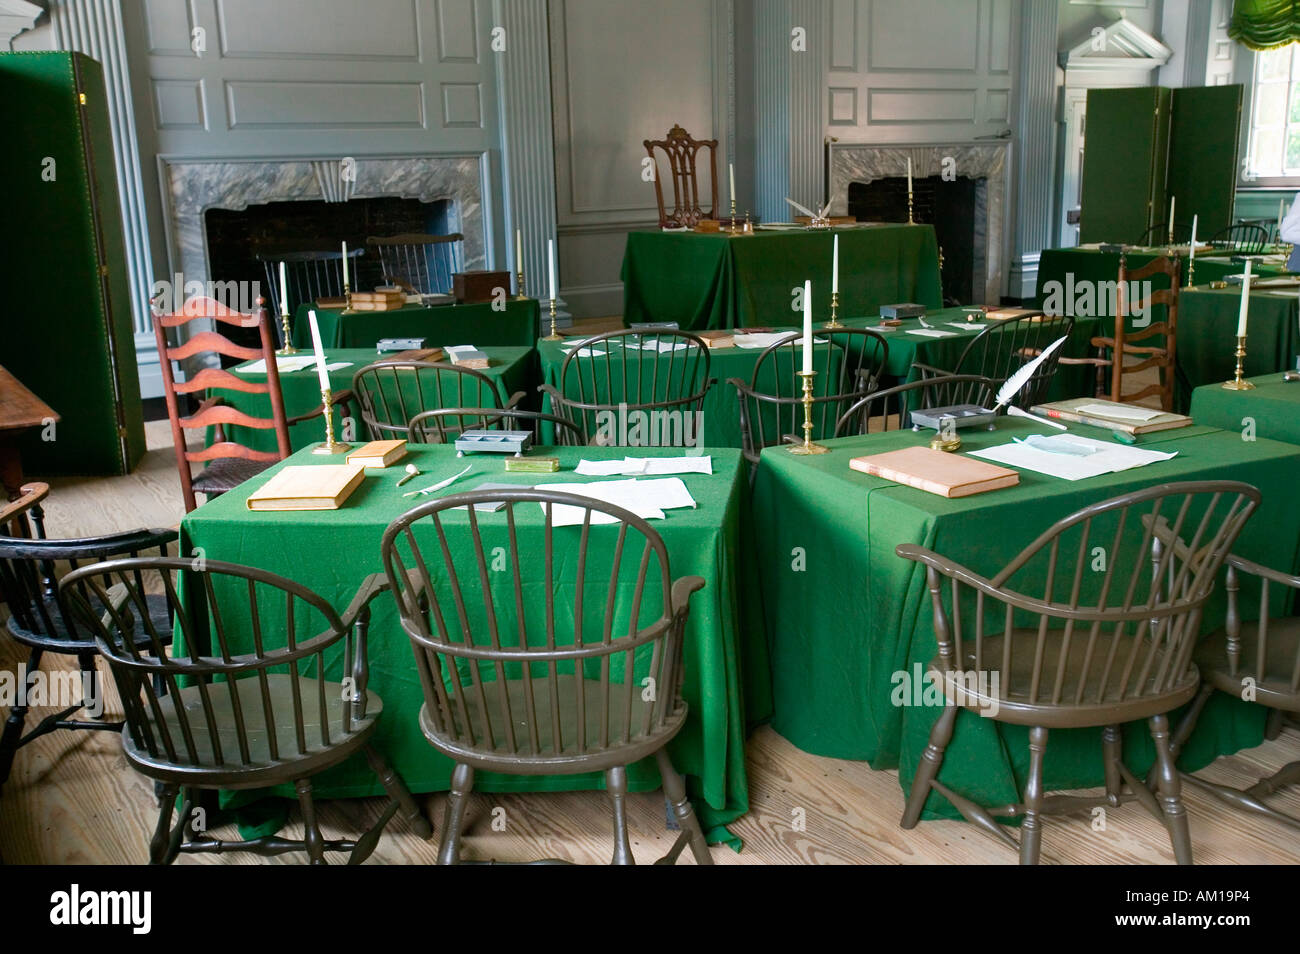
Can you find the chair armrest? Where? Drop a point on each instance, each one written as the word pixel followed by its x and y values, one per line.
pixel 370 587
pixel 356 619
pixel 551 391
pixel 514 401
pixel 681 592
pixel 1264 572
pixel 32 495
pixel 343 399
pixel 930 371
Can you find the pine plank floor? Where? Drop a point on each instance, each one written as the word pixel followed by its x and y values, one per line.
pixel 72 799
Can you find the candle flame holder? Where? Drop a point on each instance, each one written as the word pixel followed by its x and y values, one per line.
pixel 554 335
pixel 808 447
pixel 835 312
pixel 288 348
pixel 330 446
pixel 1239 382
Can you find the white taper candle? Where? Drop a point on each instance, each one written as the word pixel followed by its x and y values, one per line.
pixel 550 258
pixel 320 351
pixel 284 291
pixel 731 179
pixel 1245 302
pixel 835 266
pixel 1191 249
pixel 807 327
pixel 909 175
pixel 346 283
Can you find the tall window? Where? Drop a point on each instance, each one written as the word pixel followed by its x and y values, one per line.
pixel 1273 149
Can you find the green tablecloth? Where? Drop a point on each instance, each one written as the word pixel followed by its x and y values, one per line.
pixel 442 325
pixel 720 424
pixel 1273 408
pixel 511 368
pixel 844 612
pixel 726 685
pixel 704 281
pixel 1207 329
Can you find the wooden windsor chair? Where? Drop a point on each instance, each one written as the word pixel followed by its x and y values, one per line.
pixel 311 275
pixel 682 155
pixel 391 393
pixel 890 409
pixel 662 376
pixel 30 564
pixel 419 263
pixel 557 665
pixel 771 401
pixel 251 711
pixel 1073 649
pixel 1244 238
pixel 1007 345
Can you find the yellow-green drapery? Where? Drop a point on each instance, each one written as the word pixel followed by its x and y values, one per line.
pixel 1265 24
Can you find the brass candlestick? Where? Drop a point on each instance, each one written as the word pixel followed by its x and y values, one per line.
pixel 330 446
pixel 808 447
pixel 1191 272
pixel 910 220
pixel 284 327
pixel 554 335
pixel 1239 382
pixel 835 311
pixel 731 224
pixel 519 282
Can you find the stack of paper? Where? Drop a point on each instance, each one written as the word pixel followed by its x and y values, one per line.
pixel 649 466
pixel 283 365
pixel 1070 456
pixel 586 352
pixel 762 340
pixel 647 499
pixel 967 325
pixel 660 346
pixel 931 333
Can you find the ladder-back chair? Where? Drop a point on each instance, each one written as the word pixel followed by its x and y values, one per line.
pixel 682 154
pixel 1162 354
pixel 249 702
pixel 1049 643
pixel 543 668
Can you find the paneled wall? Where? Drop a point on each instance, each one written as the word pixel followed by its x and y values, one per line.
pixel 920 71
pixel 623 71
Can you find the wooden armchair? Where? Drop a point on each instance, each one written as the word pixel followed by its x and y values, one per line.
pixel 227 463
pixel 421 264
pixel 311 275
pixel 682 153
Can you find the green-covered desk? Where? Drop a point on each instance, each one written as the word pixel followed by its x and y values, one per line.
pixel 1271 410
pixel 845 613
pixel 511 369
pixel 703 280
pixel 441 325
pixel 726 682
pixel 720 424
pixel 1207 329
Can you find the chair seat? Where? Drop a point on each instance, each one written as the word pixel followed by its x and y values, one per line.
pixel 227 473
pixel 499 757
pixel 260 768
pixel 1273 691
pixel 60 641
pixel 1010 696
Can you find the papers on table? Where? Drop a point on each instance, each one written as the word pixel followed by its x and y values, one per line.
pixel 1070 456
pixel 931 333
pixel 338 365
pixel 284 365
pixel 1119 412
pixel 647 499
pixel 649 466
pixel 586 352
pixel 964 325
pixel 762 339
pixel 660 346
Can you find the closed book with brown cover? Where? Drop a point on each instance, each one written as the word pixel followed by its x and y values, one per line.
pixel 717 339
pixel 308 487
pixel 1069 411
pixel 948 475
pixel 378 453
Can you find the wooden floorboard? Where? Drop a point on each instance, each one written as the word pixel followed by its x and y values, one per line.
pixel 73 800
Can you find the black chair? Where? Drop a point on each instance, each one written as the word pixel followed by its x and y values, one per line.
pixel 890 409
pixel 444 425
pixel 1243 238
pixel 771 401
pixel 29 579
pixel 419 263
pixel 310 275
pixel 246 710
pixel 1158 235
pixel 1007 345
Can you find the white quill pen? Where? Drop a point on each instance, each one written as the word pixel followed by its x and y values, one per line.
pixel 1021 377
pixel 799 208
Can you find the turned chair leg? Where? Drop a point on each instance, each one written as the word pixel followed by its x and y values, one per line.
pixel 13 731
pixel 1112 753
pixel 616 788
pixel 1273 728
pixel 311 836
pixel 927 770
pixel 1169 791
pixel 675 789
pixel 462 783
pixel 398 792
pixel 162 831
pixel 1031 830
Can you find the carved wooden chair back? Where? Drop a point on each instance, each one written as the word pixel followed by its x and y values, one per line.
pixel 682 155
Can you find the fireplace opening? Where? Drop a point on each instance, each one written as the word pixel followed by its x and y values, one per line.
pixel 949 205
pixel 239 240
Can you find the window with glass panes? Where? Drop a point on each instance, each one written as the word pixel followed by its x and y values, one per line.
pixel 1274 149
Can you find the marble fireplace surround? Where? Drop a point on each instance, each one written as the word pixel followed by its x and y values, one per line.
pixel 192 186
pixel 988 161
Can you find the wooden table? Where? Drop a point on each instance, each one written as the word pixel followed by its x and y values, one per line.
pixel 20 410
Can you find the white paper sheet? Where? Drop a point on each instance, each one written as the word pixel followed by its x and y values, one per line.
pixel 1108 458
pixel 285 365
pixel 1119 412
pixel 456 349
pixel 661 346
pixel 973 326
pixel 761 339
pixel 586 352
pixel 648 466
pixel 647 499
pixel 931 333
pixel 338 365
